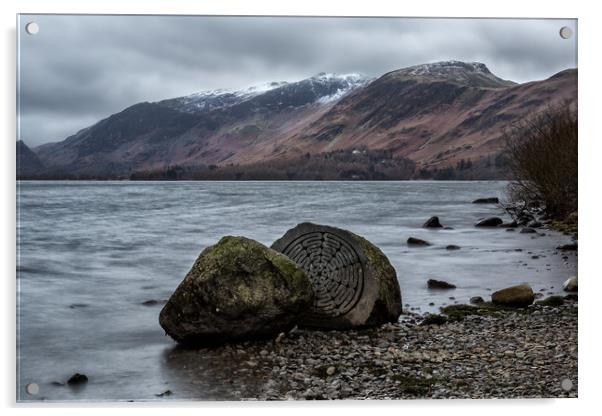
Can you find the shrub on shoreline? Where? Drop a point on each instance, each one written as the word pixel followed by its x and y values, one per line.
pixel 542 151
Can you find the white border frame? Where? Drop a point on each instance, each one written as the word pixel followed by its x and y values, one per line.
pixel 590 151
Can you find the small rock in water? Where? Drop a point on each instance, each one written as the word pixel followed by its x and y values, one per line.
pixel 452 247
pixel 439 284
pixel 534 224
pixel 78 305
pixel 165 393
pixel 77 378
pixel 489 222
pixel 528 230
pixel 413 241
pixel 477 300
pixel 432 222
pixel 331 370
pixel 492 200
pixel 567 247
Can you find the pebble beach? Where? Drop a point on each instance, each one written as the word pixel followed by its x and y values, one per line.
pixel 480 353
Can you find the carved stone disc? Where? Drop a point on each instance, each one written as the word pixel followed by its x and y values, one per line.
pixel 334 267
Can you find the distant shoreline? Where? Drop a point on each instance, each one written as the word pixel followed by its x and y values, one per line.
pixel 29 179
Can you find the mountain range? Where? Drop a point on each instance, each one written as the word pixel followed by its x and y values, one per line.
pixel 422 120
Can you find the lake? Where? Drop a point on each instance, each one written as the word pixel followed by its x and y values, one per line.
pixel 91 253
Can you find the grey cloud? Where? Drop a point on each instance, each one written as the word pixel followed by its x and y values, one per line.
pixel 80 69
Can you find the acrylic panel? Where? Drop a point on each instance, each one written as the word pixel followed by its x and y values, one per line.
pixel 274 208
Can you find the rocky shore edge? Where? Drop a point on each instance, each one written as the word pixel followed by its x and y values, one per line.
pixel 474 352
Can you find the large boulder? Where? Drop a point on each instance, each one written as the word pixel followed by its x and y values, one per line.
pixel 515 296
pixel 354 282
pixel 237 289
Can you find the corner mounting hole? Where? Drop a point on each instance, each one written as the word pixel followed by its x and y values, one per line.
pixel 566 32
pixel 32 28
pixel 32 389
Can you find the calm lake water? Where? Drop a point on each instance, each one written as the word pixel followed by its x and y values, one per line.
pixel 91 253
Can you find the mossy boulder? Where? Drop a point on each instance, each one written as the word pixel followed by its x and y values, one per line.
pixel 237 289
pixel 354 283
pixel 518 296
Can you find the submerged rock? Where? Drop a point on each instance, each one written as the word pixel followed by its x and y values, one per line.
pixel 354 283
pixel 515 296
pixel 236 289
pixel 439 284
pixel 493 200
pixel 570 285
pixel 417 242
pixel 528 230
pixel 452 247
pixel 432 222
pixel 489 222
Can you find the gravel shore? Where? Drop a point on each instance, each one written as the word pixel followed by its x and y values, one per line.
pixel 481 353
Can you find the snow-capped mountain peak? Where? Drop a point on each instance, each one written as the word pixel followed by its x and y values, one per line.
pixel 322 88
pixel 447 67
pixel 475 74
pixel 218 98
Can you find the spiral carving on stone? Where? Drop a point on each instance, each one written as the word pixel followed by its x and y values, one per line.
pixel 334 268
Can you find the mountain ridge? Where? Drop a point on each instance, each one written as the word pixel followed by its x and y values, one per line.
pixel 435 115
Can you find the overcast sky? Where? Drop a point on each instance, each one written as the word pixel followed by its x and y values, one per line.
pixel 80 69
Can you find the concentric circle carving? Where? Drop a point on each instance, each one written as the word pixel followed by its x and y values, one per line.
pixel 333 266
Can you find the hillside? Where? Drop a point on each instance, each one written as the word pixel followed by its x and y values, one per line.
pixel 435 117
